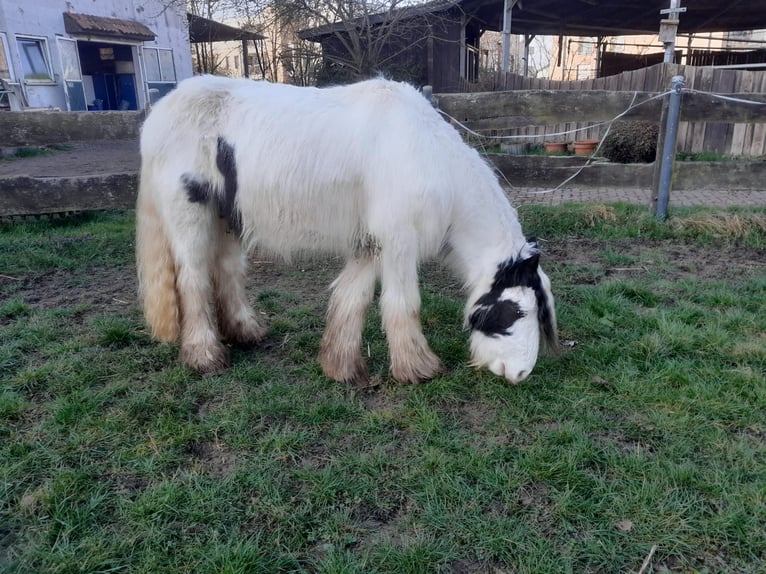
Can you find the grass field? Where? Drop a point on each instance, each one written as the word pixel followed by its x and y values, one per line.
pixel 641 449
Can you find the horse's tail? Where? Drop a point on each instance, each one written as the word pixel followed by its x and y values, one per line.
pixel 156 268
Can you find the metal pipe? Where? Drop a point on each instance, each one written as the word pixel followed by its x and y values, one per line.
pixel 669 148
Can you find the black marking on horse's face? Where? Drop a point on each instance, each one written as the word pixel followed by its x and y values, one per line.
pixel 494 317
pixel 227 165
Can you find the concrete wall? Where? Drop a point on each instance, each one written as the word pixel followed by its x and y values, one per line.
pixel 44 18
pixel 20 129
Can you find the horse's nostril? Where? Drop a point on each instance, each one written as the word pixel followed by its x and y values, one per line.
pixel 520 376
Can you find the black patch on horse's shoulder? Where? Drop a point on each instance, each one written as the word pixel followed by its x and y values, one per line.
pixel 494 317
pixel 197 191
pixel 227 165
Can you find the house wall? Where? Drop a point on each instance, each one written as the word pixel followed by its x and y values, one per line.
pixel 44 19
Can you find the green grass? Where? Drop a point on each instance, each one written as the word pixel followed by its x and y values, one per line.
pixel 649 430
pixel 35 151
pixel 713 156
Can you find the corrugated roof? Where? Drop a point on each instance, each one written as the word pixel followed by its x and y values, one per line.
pixel 206 30
pixel 90 25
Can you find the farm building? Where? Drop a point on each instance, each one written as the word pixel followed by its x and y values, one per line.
pixel 79 54
pixel 438 43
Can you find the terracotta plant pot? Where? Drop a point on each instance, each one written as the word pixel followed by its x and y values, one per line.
pixel 555 147
pixel 585 147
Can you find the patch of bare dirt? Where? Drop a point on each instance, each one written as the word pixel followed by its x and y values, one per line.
pixel 102 290
pixel 677 260
pixel 214 459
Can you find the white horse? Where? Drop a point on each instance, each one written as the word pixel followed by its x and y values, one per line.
pixel 370 171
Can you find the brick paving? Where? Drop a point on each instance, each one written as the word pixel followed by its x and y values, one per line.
pixel 700 198
pixel 121 156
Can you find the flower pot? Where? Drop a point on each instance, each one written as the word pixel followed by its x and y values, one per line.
pixel 555 147
pixel 585 147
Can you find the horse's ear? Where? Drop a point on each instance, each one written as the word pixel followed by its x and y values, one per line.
pixel 521 272
pixel 546 314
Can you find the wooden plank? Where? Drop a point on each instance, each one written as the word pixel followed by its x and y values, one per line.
pixel 716 132
pixel 743 85
pixel 530 171
pixel 705 82
pixel 541 107
pixel 759 130
pixel 686 128
pixel 28 195
pixel 701 107
pixel 504 110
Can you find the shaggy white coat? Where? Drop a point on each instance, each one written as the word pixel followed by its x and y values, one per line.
pixel 370 171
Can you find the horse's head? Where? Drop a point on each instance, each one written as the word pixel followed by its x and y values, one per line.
pixel 508 321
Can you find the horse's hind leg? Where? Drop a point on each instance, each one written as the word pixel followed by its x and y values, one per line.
pixel 411 358
pixel 352 292
pixel 193 231
pixel 236 319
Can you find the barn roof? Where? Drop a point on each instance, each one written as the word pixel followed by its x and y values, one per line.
pixel 588 17
pixel 206 30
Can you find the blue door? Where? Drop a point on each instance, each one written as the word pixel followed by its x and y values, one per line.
pixel 126 92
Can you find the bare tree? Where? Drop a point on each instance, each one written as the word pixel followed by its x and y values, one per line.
pixel 364 37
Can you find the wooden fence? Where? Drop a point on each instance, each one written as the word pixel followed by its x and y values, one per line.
pixel 704 134
pixel 488 112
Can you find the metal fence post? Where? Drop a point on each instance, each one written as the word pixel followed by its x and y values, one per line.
pixel 669 146
pixel 428 93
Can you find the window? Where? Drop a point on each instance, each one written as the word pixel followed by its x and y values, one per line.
pixel 5 68
pixel 160 72
pixel 585 48
pixel 583 72
pixel 159 65
pixel 35 62
pixel 236 62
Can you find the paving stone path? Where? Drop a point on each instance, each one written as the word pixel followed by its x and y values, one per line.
pixel 121 156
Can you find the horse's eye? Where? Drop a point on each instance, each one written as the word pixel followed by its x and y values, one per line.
pixel 520 313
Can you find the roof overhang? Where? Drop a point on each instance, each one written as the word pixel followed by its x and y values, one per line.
pixel 585 17
pixel 206 30
pixel 111 28
pixel 617 17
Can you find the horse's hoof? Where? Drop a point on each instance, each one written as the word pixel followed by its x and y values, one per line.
pixel 351 371
pixel 244 335
pixel 205 360
pixel 426 367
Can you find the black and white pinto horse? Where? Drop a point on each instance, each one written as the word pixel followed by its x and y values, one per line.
pixel 370 171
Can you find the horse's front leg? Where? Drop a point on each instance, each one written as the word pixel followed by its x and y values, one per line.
pixel 411 358
pixel 352 292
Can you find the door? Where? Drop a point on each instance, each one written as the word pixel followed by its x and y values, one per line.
pixel 72 75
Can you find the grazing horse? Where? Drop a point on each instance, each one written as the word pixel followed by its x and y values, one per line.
pixel 369 171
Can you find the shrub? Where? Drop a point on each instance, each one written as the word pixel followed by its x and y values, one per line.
pixel 631 142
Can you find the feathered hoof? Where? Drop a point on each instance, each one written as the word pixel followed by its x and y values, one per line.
pixel 246 336
pixel 205 359
pixel 351 370
pixel 416 368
